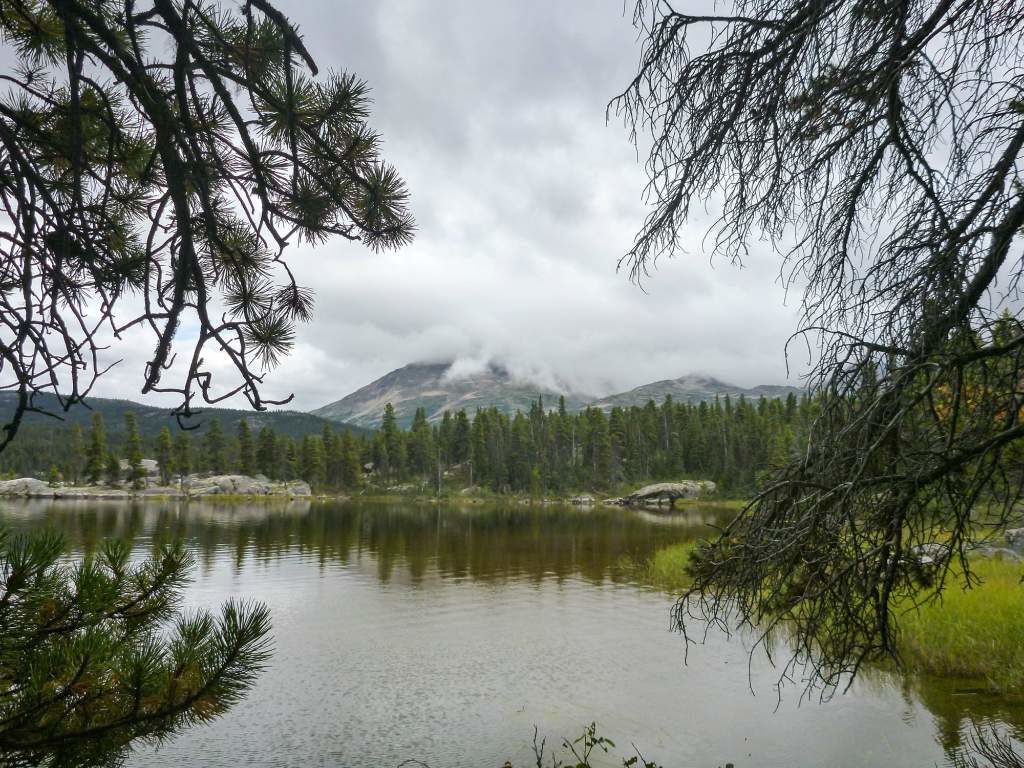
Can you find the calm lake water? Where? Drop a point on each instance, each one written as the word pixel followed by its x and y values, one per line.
pixel 446 634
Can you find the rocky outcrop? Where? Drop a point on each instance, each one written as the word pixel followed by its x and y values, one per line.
pixel 25 486
pixel 582 501
pixel 932 553
pixel 193 486
pixel 660 493
pixel 243 485
pixel 298 488
pixel 149 467
pixel 1015 539
pixel 235 485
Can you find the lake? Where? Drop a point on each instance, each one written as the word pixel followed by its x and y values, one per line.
pixel 445 634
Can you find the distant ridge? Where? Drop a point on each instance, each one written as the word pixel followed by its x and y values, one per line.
pixel 693 388
pixel 425 385
pixel 152 418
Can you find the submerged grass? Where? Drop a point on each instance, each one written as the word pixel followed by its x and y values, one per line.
pixel 667 567
pixel 975 632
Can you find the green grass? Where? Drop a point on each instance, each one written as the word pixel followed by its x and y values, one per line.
pixel 666 570
pixel 975 633
pixel 971 633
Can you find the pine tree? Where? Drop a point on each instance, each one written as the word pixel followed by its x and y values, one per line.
pixel 394 468
pixel 444 438
pixel 165 455
pixel 120 664
pixel 266 453
pixel 379 452
pixel 96 457
pixel 214 458
pixel 113 469
pixel 352 465
pixel 333 459
pixel 102 146
pixel 421 453
pixel 291 460
pixel 135 474
pixel 76 461
pixel 461 439
pixel 183 454
pixel 246 453
pixel 311 460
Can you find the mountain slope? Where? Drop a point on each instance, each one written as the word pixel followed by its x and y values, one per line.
pixel 693 389
pixel 428 386
pixel 151 418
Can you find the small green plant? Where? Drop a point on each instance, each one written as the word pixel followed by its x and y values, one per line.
pixel 581 749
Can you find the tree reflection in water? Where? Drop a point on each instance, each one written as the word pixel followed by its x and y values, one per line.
pixel 486 543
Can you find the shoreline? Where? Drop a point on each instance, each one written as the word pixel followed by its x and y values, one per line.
pixel 246 488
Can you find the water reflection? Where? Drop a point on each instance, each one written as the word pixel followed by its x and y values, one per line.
pixel 958 705
pixel 482 542
pixel 445 633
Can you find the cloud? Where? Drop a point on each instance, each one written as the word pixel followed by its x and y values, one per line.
pixel 525 200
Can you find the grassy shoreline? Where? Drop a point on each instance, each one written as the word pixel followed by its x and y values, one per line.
pixel 974 633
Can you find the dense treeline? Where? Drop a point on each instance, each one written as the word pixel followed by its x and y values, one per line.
pixel 539 452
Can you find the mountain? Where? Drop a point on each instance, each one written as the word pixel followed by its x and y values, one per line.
pixel 693 389
pixel 434 387
pixel 151 418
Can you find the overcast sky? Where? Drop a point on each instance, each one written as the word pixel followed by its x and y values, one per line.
pixel 524 199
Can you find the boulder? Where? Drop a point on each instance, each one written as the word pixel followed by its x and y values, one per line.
pixel 1004 553
pixel 932 553
pixel 150 468
pixel 298 489
pixel 25 486
pixel 1015 538
pixel 658 492
pixel 240 485
pixel 582 501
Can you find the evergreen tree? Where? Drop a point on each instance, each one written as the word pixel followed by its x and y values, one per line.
pixel 113 469
pixel 183 454
pixel 393 442
pixel 291 460
pixel 246 452
pixel 75 463
pixel 333 459
pixel 461 439
pixel 352 465
pixel 379 452
pixel 420 445
pixel 311 461
pixel 266 453
pixel 134 474
pixel 165 455
pixel 96 458
pixel 103 146
pixel 444 438
pixel 731 442
pixel 96 656
pixel 214 458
